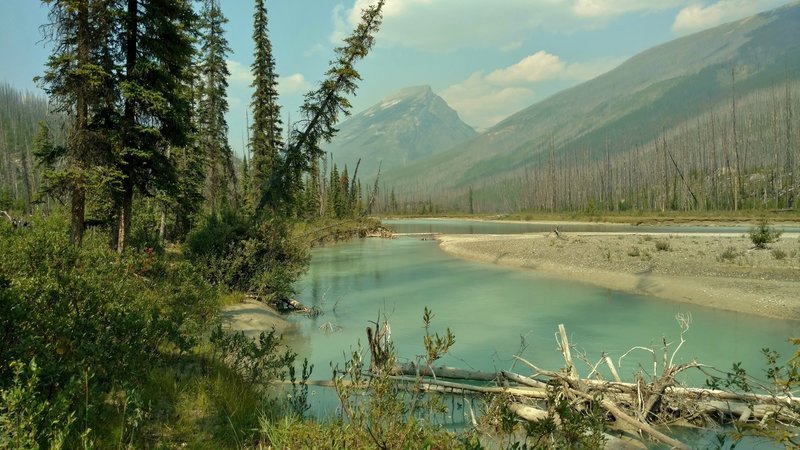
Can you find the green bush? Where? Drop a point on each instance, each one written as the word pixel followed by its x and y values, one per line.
pixel 88 314
pixel 663 246
pixel 258 361
pixel 764 234
pixel 27 419
pixel 264 258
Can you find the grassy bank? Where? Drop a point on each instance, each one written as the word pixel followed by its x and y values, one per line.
pixel 102 350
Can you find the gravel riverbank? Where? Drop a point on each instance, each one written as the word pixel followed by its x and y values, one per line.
pixel 719 271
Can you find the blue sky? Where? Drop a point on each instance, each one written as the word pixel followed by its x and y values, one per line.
pixel 488 59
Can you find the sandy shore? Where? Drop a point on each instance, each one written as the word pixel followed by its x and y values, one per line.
pixel 253 317
pixel 719 271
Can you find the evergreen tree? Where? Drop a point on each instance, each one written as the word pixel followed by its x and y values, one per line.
pixel 158 51
pixel 321 114
pixel 265 137
pixel 77 82
pixel 343 205
pixel 213 128
pixel 334 192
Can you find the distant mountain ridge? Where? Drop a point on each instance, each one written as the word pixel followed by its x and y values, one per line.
pixel 630 105
pixel 411 124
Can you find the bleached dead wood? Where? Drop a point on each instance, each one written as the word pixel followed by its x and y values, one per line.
pixel 654 399
pixel 452 373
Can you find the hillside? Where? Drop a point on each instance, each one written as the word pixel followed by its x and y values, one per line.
pixel 411 124
pixel 20 115
pixel 630 105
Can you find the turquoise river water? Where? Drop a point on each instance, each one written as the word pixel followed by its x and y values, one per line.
pixel 498 312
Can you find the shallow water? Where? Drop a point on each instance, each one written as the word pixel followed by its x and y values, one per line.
pixel 494 311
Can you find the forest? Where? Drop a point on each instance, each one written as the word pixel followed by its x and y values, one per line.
pixel 128 223
pixel 738 156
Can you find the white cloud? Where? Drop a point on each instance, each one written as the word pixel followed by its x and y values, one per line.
pixel 482 104
pixel 699 16
pixel 483 100
pixel 446 25
pixel 613 8
pixel 537 67
pixel 292 84
pixel 239 73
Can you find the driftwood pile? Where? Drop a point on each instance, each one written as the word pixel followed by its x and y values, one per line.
pixel 646 406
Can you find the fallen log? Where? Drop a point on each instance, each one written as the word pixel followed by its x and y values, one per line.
pixel 451 387
pixel 443 372
pixel 528 413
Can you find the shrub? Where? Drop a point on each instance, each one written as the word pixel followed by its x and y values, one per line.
pixel 764 234
pixel 729 254
pixel 634 251
pixel 258 361
pixel 27 419
pixel 87 314
pixel 778 254
pixel 266 258
pixel 663 246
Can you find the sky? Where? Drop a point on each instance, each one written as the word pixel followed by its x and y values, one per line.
pixel 487 59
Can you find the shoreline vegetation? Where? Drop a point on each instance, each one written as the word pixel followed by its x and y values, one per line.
pixel 715 270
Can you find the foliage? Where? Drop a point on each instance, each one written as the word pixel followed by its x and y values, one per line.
pixel 764 234
pixel 265 140
pixel 375 411
pixel 265 258
pixel 26 417
pixel 729 254
pixel 564 427
pixel 87 314
pixel 783 379
pixel 212 107
pixel 663 246
pixel 778 254
pixel 258 361
pixel 320 114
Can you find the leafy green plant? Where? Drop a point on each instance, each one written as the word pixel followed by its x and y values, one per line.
pixel 764 234
pixel 265 257
pixel 87 313
pixel 298 402
pixel 259 361
pixel 27 419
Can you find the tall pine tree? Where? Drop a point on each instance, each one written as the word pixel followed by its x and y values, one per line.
pixel 265 132
pixel 157 41
pixel 213 128
pixel 320 115
pixel 78 81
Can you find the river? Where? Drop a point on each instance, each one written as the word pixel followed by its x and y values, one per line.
pixel 497 312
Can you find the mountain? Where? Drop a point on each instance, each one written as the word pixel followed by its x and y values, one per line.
pixel 411 124
pixel 624 108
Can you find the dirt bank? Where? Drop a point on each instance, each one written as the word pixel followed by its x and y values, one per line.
pixel 253 317
pixel 719 271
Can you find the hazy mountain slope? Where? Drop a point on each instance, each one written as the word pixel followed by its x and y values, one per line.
pixel 627 106
pixel 404 127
